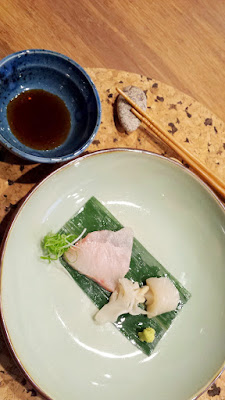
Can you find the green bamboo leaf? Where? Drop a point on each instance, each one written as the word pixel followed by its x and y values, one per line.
pixel 94 217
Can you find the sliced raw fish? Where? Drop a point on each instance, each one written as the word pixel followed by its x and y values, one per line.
pixel 103 256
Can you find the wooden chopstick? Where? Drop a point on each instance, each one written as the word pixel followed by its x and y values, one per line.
pixel 196 164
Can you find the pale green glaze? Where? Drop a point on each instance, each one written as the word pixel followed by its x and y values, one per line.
pixel 179 221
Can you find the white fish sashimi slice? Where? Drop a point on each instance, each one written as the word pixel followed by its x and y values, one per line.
pixel 103 256
pixel 162 296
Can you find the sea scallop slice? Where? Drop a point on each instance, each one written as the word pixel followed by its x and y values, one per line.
pixel 162 296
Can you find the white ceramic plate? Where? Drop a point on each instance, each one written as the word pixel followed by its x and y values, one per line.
pixel 48 319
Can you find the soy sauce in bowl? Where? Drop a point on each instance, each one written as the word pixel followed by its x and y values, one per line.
pixel 65 100
pixel 39 119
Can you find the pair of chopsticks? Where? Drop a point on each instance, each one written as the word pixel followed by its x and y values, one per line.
pixel 210 178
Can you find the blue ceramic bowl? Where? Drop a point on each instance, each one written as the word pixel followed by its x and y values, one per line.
pixel 57 74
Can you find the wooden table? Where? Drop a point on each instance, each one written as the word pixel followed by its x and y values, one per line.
pixel 181 44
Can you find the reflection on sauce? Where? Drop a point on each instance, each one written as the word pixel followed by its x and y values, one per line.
pixel 39 119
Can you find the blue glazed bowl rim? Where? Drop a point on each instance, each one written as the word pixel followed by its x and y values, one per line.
pixel 51 160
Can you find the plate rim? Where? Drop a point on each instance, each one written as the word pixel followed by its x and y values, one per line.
pixel 15 216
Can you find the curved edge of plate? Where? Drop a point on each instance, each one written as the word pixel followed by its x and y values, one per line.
pixel 4 328
pixel 203 390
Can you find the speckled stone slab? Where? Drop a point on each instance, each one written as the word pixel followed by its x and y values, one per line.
pixel 189 122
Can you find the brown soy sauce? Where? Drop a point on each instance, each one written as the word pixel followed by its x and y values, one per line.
pixel 39 119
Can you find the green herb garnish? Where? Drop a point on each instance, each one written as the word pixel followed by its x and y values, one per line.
pixel 54 245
